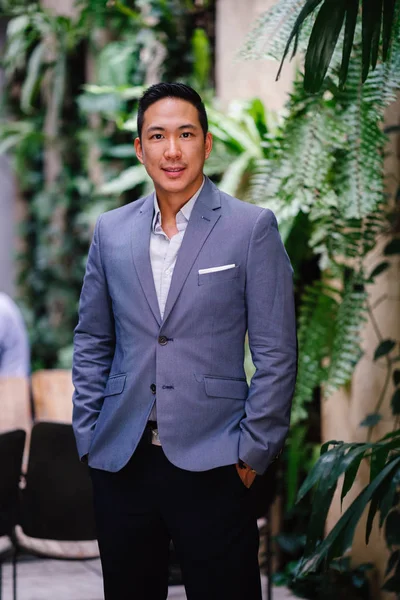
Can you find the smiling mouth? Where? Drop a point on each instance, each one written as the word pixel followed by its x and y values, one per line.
pixel 173 169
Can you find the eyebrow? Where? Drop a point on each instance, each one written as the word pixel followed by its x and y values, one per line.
pixel 153 128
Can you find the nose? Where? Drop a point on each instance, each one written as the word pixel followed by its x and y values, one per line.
pixel 173 150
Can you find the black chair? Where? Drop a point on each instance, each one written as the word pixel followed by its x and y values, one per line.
pixel 56 502
pixel 11 452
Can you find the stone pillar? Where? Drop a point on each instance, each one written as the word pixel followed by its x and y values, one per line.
pixel 240 79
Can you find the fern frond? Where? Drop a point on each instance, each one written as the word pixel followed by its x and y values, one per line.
pixel 271 31
pixel 317 313
pixel 346 350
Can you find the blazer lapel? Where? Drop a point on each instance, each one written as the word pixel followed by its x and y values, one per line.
pixel 204 216
pixel 140 245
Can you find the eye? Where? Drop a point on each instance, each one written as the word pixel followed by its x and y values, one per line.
pixel 156 136
pixel 187 134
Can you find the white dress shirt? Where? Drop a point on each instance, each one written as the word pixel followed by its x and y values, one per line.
pixel 164 252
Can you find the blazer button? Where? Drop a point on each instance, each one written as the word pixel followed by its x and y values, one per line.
pixel 153 388
pixel 163 340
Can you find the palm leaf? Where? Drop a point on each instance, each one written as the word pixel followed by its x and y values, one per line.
pixel 339 540
pixel 307 9
pixel 349 31
pixel 387 29
pixel 371 23
pixel 323 40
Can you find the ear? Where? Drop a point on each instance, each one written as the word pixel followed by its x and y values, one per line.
pixel 208 145
pixel 138 149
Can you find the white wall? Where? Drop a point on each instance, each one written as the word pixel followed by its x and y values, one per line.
pixel 246 79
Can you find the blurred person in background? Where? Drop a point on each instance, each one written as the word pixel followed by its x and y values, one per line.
pixel 173 435
pixel 14 345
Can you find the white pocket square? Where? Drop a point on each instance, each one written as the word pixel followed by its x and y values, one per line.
pixel 215 269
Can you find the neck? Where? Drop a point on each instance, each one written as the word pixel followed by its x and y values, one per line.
pixel 170 203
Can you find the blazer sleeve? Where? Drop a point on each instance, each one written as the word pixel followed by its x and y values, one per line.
pixel 273 345
pixel 94 345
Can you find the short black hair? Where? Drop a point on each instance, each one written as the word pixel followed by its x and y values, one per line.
pixel 159 91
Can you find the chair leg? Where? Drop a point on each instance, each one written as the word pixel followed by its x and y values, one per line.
pixel 14 568
pixel 269 557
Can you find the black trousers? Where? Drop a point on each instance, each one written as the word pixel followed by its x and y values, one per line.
pixel 208 515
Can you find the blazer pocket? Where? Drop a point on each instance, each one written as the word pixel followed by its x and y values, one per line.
pixel 220 387
pixel 115 385
pixel 218 276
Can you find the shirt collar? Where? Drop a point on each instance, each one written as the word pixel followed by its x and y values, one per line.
pixel 186 209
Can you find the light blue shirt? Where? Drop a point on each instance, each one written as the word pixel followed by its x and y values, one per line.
pixel 14 346
pixel 164 252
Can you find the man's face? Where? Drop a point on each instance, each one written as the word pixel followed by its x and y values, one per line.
pixel 173 147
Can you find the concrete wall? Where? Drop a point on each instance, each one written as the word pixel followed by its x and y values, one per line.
pixel 239 79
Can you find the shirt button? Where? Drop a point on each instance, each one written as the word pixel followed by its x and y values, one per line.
pixel 162 340
pixel 153 388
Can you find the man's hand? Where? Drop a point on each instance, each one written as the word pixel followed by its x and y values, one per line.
pixel 246 473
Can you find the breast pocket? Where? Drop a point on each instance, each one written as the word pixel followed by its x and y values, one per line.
pixel 219 276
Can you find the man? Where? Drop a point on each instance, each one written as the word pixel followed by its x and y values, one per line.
pixel 162 411
pixel 14 345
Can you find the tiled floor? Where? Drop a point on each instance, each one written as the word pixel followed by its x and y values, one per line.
pixel 74 580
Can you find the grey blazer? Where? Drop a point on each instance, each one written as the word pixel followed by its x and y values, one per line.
pixel 207 415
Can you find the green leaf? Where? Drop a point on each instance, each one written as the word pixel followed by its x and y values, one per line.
pixel 322 466
pixel 383 266
pixel 349 30
pixel 376 32
pixel 323 497
pixel 340 537
pixel 373 507
pixel 371 21
pixel 384 348
pixel 31 83
pixel 392 247
pixel 120 151
pixel 371 420
pixel 395 403
pixel 388 498
pixel 392 529
pixel 9 142
pixel 202 57
pixel 326 445
pixel 323 40
pixel 106 103
pixel 396 376
pixel 351 474
pixel 377 462
pixel 307 9
pixel 393 560
pixel 232 178
pixel 392 584
pixel 388 25
pixel 126 180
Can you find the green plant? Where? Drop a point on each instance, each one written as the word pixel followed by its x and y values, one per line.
pixel 381 494
pixel 339 582
pixel 324 31
pixel 326 165
pixel 66 145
